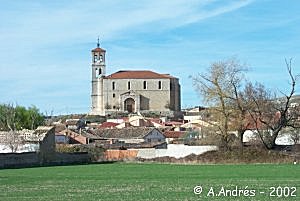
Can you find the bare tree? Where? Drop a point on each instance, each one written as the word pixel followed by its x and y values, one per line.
pixel 221 90
pixel 240 105
pixel 295 135
pixel 270 113
pixel 13 140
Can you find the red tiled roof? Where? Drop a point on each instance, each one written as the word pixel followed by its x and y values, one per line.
pixel 60 127
pixel 98 49
pixel 174 134
pixel 173 123
pixel 108 125
pixel 158 121
pixel 254 124
pixel 142 74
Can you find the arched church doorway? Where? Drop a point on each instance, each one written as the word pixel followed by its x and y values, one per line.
pixel 129 105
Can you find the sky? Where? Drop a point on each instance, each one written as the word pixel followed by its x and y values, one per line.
pixel 45 57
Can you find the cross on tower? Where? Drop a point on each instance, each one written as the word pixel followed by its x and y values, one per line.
pixel 98 43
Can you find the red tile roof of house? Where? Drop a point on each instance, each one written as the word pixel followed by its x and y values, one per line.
pixel 252 124
pixel 141 74
pixel 174 134
pixel 173 123
pixel 98 49
pixel 157 121
pixel 108 125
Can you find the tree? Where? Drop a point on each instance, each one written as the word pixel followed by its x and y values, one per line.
pixel 8 117
pixel 270 113
pixel 9 122
pixel 13 140
pixel 35 118
pixel 15 118
pixel 221 90
pixel 295 135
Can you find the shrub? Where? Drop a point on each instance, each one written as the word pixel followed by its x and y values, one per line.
pixel 96 153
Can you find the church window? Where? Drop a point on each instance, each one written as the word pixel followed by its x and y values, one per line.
pixel 159 84
pixel 145 85
pixel 100 71
pixel 114 107
pixel 114 95
pixel 171 86
pixel 113 85
pixel 128 85
pixel 95 58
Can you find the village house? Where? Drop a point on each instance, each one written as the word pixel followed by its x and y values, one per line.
pixel 192 114
pixel 131 135
pixel 67 136
pixel 173 136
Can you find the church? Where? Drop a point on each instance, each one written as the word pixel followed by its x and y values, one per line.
pixel 138 91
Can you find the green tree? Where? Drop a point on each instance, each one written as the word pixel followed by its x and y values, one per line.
pixel 35 118
pixel 8 118
pixel 18 117
pixel 9 122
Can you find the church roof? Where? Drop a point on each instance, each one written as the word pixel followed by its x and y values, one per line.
pixel 142 74
pixel 98 49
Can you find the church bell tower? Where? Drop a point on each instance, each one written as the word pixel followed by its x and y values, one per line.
pixel 98 73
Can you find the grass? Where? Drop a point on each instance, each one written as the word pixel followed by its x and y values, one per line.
pixel 130 181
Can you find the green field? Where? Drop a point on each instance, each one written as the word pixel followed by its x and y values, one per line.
pixel 129 181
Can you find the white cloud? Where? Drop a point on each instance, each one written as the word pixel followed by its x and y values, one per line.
pixel 31 31
pixel 218 10
pixel 41 25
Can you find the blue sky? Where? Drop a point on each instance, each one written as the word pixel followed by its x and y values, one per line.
pixel 45 45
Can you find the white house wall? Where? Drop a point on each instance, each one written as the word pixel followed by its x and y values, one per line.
pixel 283 139
pixel 22 148
pixel 174 150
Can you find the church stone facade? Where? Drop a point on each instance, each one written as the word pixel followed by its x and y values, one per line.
pixel 131 91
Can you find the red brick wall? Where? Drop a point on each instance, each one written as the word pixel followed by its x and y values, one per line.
pixel 120 154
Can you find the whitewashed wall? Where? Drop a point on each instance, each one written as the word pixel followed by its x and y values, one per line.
pixel 21 148
pixel 174 150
